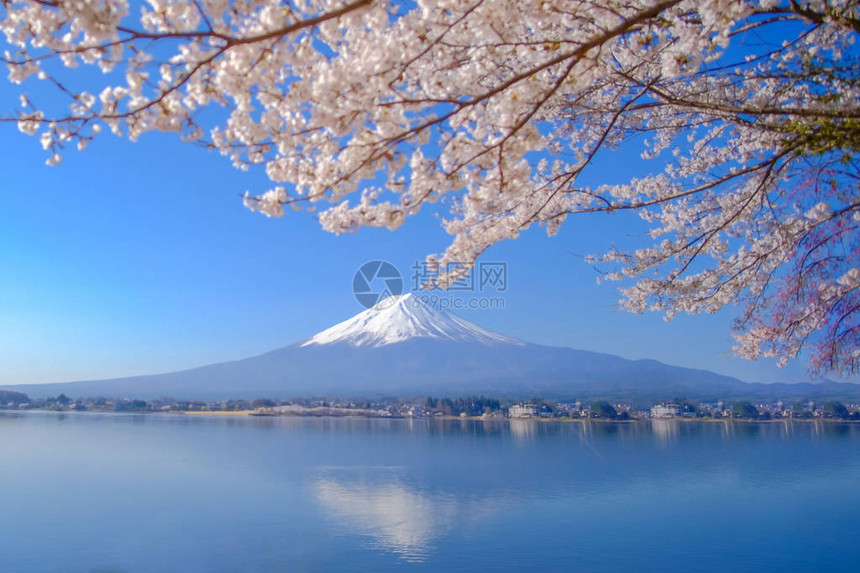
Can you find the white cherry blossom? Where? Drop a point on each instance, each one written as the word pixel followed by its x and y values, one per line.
pixel 367 110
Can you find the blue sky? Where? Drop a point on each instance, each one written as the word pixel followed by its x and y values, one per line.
pixel 135 258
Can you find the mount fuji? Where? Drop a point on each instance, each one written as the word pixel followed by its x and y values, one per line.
pixel 401 318
pixel 402 348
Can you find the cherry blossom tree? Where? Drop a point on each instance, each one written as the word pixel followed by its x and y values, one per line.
pixel 496 109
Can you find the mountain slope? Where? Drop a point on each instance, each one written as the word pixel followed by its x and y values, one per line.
pixel 403 349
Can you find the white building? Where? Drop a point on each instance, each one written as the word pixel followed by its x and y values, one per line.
pixel 523 411
pixel 665 411
pixel 416 412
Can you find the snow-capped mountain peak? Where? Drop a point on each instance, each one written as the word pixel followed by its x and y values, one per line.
pixel 401 318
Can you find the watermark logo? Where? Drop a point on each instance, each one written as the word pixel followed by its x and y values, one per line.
pixel 493 275
pixel 486 276
pixel 375 282
pixel 456 302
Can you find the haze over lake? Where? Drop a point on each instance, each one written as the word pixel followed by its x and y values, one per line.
pixel 153 493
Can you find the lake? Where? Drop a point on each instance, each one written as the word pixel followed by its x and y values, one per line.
pixel 157 493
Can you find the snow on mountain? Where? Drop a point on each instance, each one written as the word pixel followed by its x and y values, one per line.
pixel 401 318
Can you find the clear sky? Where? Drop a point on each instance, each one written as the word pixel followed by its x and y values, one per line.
pixel 134 258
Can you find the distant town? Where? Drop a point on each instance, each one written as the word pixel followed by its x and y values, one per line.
pixel 468 407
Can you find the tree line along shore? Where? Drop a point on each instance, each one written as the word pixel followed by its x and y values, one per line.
pixel 473 407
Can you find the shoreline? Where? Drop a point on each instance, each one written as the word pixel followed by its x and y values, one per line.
pixel 256 414
pixel 562 420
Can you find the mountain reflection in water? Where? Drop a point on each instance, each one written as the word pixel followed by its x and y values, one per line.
pixel 398 517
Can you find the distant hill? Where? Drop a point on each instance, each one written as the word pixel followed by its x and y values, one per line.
pixel 404 349
pixel 8 397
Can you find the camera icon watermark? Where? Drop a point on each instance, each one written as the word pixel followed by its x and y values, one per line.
pixel 378 284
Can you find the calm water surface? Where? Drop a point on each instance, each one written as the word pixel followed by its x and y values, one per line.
pixel 152 493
